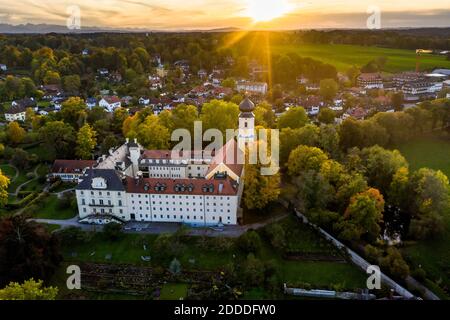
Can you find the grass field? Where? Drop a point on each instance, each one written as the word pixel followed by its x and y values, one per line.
pixel 345 56
pixel 430 152
pixel 49 209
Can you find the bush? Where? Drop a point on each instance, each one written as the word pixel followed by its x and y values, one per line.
pixel 419 274
pixel 394 262
pixel 249 242
pixel 373 254
pixel 113 231
pixel 167 246
pixel 275 233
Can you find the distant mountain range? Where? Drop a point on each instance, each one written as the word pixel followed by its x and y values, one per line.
pixel 51 28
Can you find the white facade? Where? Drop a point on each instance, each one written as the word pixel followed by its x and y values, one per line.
pixel 10 117
pixel 109 106
pixel 252 87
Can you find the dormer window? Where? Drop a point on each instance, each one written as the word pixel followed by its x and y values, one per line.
pixel 99 183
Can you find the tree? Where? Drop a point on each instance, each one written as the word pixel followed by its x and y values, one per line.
pixel 380 165
pixel 29 290
pixel 328 89
pixel 15 133
pixel 394 262
pixel 312 190
pixel 363 216
pixel 326 116
pixel 229 83
pixel 183 117
pixel 250 242
pixel 253 271
pixel 113 231
pixel 74 112
pixel 110 141
pixel 58 138
pixel 151 134
pixel 72 83
pixel 4 184
pixel 397 101
pixel 86 142
pixel 259 190
pixel 305 158
pixel 20 158
pixel 220 115
pixel 27 250
pixel 293 118
pixel 264 115
pixel 430 201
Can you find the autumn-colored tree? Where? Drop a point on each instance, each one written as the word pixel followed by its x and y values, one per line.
pixel 15 133
pixel 363 216
pixel 151 134
pixel 260 190
pixel 29 290
pixel 4 183
pixel 328 89
pixel 326 116
pixel 86 142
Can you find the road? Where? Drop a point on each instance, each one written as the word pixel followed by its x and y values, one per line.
pixel 160 228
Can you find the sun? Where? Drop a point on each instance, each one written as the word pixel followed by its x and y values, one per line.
pixel 266 10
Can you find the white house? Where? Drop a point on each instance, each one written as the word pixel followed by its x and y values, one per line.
pixel 144 101
pixel 18 109
pixel 252 87
pixel 3 67
pixel 110 103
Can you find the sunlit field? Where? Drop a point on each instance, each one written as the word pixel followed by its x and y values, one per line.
pixel 344 56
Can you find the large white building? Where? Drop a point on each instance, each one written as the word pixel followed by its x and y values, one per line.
pixel 250 87
pixel 133 184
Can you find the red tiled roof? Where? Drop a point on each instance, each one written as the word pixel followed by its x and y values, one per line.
pixel 71 166
pixel 112 99
pixel 229 187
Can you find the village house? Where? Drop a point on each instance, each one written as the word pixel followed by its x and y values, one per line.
pixel 3 67
pixel 144 101
pixel 370 81
pixel 110 103
pixel 250 87
pixel 357 113
pixel 69 170
pixel 17 110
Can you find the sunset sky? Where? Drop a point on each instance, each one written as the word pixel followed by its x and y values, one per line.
pixel 210 14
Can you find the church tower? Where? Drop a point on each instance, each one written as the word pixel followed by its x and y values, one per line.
pixel 247 134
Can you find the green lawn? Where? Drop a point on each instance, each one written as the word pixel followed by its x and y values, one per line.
pixel 49 209
pixel 431 152
pixel 21 178
pixel 344 56
pixel 8 170
pixel 174 291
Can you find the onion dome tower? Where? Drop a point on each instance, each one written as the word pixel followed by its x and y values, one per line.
pixel 246 123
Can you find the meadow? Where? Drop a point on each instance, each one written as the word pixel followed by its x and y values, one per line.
pixel 345 56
